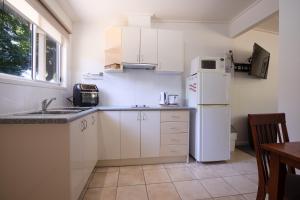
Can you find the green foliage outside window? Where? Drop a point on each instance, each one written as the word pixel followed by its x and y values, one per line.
pixel 15 43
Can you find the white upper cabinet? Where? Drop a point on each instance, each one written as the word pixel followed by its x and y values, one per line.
pixel 148 50
pixel 131 44
pixel 130 134
pixel 139 45
pixel 170 51
pixel 150 134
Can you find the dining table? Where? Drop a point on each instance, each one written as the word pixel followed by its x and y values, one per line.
pixel 281 155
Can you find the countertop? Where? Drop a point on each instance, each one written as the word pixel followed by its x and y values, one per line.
pixel 66 118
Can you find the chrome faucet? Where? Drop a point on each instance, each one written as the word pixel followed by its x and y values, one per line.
pixel 46 103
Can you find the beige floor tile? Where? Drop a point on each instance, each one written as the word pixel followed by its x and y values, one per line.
pixel 191 190
pixel 241 184
pixel 203 172
pixel 152 167
pixel 252 177
pixel 217 187
pixel 238 156
pixel 137 192
pixel 162 191
pixel 224 170
pixel 251 196
pixel 237 197
pixel 174 165
pixel 131 175
pixel 130 169
pixel 107 169
pixel 100 194
pixel 245 167
pixel 156 176
pixel 104 179
pixel 180 174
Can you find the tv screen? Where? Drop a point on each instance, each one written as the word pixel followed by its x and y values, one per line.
pixel 260 62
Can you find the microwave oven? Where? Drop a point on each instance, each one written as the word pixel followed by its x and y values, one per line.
pixel 210 64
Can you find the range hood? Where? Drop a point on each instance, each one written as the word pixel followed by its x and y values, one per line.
pixel 138 66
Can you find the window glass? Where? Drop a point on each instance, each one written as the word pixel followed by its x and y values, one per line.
pixel 47 57
pixel 15 43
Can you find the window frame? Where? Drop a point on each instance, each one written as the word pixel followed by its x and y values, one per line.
pixel 19 80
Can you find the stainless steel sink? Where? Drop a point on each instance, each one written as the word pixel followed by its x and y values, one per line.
pixel 54 112
pixel 60 111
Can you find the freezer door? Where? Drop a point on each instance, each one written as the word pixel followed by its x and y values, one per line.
pixel 214 133
pixel 214 88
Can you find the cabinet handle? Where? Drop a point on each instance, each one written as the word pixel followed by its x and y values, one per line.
pixel 142 58
pixel 82 128
pixel 93 120
pixel 139 116
pixel 85 124
pixel 175 116
pixel 137 58
pixel 144 116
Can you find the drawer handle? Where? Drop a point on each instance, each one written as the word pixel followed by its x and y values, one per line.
pixel 174 140
pixel 173 151
pixel 175 116
pixel 174 128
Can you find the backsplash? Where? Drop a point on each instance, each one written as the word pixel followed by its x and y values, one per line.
pixel 136 87
pixel 18 98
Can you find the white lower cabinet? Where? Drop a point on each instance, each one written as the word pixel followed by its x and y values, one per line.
pixel 83 151
pixel 130 134
pixel 139 134
pixel 150 134
pixel 109 137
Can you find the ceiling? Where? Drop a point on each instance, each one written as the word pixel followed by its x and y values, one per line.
pixel 183 10
pixel 271 24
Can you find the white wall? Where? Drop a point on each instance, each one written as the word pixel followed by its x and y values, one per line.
pixel 250 94
pixel 143 87
pixel 136 87
pixel 17 98
pixel 289 62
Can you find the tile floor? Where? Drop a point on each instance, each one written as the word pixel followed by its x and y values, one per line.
pixel 233 180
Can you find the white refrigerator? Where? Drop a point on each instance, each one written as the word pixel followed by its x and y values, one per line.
pixel 208 92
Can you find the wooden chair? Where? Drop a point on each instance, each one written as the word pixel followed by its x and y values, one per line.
pixel 266 128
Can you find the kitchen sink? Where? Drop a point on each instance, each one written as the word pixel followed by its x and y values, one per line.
pixel 54 112
pixel 60 111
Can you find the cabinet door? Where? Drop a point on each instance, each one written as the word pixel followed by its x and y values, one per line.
pixel 109 138
pixel 150 134
pixel 76 157
pixel 91 143
pixel 148 51
pixel 130 134
pixel 131 45
pixel 170 51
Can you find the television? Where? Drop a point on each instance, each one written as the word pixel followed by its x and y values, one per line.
pixel 259 62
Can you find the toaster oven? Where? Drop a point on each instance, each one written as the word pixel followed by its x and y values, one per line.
pixel 85 95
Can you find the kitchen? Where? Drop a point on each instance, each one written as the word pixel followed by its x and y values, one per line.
pixel 142 117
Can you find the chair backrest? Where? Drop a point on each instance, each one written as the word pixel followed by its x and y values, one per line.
pixel 266 128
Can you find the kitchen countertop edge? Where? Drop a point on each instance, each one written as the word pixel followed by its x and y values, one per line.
pixel 62 119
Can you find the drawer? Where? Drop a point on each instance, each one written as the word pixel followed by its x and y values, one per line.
pixel 180 138
pixel 173 150
pixel 174 127
pixel 174 116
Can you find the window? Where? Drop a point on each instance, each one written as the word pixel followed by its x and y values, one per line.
pixel 15 44
pixel 47 57
pixel 29 50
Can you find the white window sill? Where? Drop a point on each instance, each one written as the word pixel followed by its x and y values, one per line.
pixel 14 80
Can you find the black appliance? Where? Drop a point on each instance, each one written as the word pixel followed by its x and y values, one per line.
pixel 260 62
pixel 85 95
